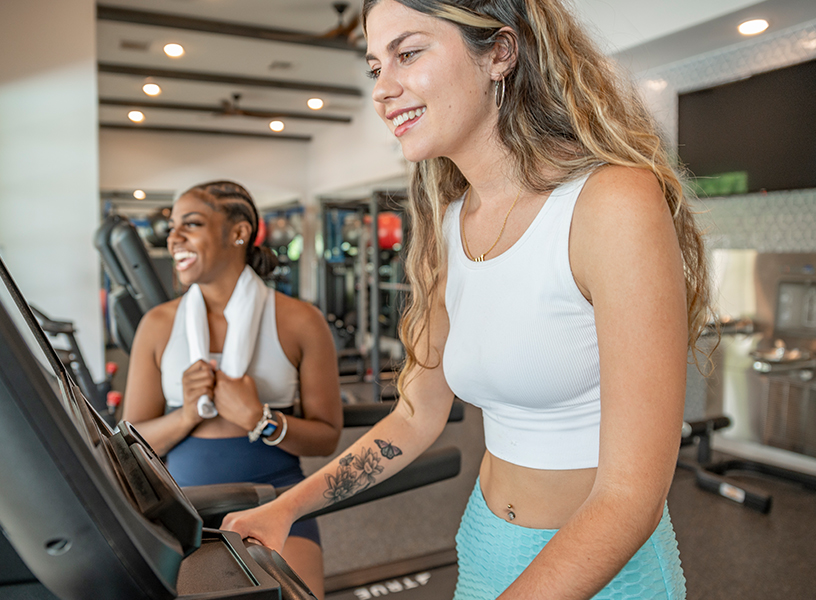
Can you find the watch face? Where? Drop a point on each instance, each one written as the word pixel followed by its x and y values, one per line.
pixel 269 429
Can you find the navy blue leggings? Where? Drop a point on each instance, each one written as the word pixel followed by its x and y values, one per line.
pixel 204 461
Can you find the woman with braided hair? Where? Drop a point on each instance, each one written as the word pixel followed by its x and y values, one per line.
pixel 558 283
pixel 214 375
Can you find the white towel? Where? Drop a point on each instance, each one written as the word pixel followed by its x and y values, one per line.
pixel 243 313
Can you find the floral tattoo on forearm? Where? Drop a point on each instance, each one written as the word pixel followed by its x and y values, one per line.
pixel 357 473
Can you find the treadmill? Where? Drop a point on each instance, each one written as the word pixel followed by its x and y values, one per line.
pixel 88 511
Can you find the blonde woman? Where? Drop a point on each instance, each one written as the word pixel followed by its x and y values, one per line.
pixel 558 282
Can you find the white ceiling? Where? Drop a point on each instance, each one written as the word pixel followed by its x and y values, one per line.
pixel 627 23
pixel 624 26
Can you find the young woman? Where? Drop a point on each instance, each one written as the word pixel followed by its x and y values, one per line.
pixel 255 435
pixel 558 282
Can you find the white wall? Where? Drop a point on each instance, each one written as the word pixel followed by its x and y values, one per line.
pixel 363 154
pixel 338 158
pixel 273 171
pixel 49 181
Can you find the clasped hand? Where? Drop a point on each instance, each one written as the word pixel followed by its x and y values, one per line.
pixel 235 398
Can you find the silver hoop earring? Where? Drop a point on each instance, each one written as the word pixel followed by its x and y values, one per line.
pixel 239 242
pixel 500 98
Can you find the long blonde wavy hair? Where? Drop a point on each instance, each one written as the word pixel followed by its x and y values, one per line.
pixel 566 110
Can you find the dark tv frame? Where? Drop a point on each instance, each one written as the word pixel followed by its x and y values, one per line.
pixel 759 132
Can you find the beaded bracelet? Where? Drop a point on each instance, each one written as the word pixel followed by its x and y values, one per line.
pixel 265 418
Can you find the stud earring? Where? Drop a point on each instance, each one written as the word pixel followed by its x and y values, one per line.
pixel 500 96
pixel 239 242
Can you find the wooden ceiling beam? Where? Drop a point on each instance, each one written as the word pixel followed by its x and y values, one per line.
pixel 265 114
pixel 301 86
pixel 175 21
pixel 221 132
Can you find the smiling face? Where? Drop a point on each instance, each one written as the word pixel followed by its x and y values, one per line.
pixel 199 241
pixel 435 97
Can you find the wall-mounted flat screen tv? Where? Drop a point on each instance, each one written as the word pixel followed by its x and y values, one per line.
pixel 752 135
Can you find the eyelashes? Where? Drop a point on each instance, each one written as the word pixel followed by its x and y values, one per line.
pixel 402 57
pixel 185 225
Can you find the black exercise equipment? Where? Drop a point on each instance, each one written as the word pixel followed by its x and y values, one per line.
pixel 213 502
pixel 699 432
pixel 96 393
pixel 91 511
pixel 158 228
pixel 355 415
pixel 127 262
pixel 712 476
pixel 367 414
pixel 362 275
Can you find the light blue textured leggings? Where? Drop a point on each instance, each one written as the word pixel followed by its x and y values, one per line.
pixel 493 553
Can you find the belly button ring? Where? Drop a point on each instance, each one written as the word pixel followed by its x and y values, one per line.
pixel 510 514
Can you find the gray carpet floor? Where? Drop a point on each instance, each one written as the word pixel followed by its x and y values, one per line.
pixel 729 551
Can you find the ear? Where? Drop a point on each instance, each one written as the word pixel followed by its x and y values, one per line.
pixel 241 231
pixel 504 55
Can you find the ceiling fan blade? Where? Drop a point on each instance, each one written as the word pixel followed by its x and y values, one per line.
pixel 342 30
pixel 258 114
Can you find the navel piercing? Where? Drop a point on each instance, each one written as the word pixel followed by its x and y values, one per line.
pixel 239 242
pixel 510 514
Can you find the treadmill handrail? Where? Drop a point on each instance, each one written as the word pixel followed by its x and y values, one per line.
pixel 213 502
pixel 369 413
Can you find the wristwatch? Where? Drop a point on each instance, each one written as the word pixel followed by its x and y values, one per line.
pixel 280 427
pixel 270 428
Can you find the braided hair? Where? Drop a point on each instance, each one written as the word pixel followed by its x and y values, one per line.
pixel 237 205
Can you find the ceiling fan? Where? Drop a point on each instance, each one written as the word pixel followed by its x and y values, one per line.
pixel 344 30
pixel 231 108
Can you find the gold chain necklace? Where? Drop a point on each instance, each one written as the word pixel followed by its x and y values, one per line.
pixel 481 257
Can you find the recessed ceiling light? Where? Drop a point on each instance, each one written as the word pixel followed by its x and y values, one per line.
pixel 151 89
pixel 657 85
pixel 276 125
pixel 136 116
pixel 173 50
pixel 139 194
pixel 314 103
pixel 753 27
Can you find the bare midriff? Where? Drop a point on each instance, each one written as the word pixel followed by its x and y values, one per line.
pixel 539 499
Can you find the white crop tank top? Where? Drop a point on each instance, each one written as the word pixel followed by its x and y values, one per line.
pixel 276 379
pixel 522 344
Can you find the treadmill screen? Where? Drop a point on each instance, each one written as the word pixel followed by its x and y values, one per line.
pixel 65 391
pixel 30 338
